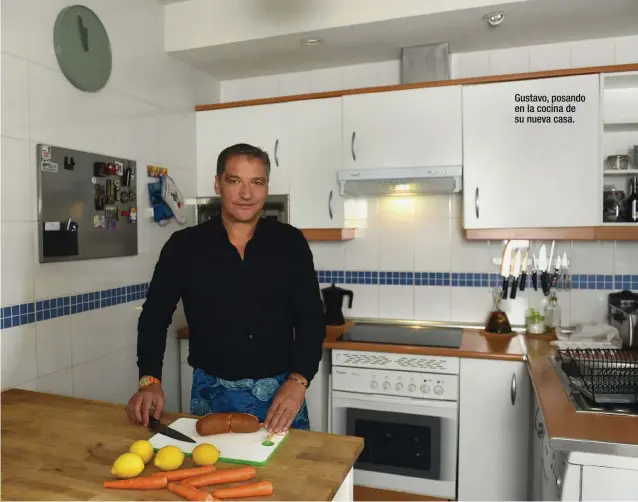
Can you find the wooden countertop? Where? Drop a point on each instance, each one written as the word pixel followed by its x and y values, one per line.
pixel 568 429
pixel 56 448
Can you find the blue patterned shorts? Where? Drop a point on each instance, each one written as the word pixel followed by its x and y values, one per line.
pixel 211 394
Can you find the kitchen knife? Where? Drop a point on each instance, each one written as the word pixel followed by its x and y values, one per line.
pixel 535 273
pixel 516 271
pixel 542 268
pixel 505 267
pixel 557 269
pixel 155 425
pixel 524 271
pixel 566 277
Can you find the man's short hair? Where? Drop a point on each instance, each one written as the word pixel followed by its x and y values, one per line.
pixel 242 149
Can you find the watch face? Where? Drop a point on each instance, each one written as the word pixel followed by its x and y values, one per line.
pixel 82 48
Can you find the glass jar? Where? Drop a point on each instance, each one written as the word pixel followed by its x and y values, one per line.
pixel 553 313
pixel 613 204
pixel 535 322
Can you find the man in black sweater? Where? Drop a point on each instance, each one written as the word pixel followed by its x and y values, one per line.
pixel 252 303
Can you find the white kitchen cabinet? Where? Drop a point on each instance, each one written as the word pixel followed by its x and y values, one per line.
pixel 530 175
pixel 406 128
pixel 313 139
pixel 317 396
pixel 260 126
pixel 537 433
pixel 494 422
pixel 605 483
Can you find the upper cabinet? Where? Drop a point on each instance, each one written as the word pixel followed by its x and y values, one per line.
pixel 531 153
pixel 258 125
pixel 313 150
pixel 405 128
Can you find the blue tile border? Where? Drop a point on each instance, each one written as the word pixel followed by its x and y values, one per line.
pixel 42 310
pixel 465 279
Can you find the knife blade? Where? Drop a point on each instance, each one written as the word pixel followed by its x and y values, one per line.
pixel 524 270
pixel 542 268
pixel 506 266
pixel 516 271
pixel 155 425
pixel 566 277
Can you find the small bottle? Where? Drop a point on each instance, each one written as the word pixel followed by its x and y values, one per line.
pixel 631 203
pixel 553 313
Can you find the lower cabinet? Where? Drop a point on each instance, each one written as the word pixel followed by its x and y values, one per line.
pixel 494 425
pixel 317 396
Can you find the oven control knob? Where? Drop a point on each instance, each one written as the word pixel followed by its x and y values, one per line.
pixel 425 388
pixel 438 390
pixel 386 385
pixel 374 384
pixel 399 387
pixel 411 387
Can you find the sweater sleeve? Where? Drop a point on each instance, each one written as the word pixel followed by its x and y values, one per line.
pixel 309 324
pixel 164 293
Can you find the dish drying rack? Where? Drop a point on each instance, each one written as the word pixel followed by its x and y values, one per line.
pixel 605 376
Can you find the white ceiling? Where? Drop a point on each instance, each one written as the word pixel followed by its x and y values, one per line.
pixel 526 23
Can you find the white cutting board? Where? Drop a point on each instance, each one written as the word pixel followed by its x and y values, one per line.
pixel 238 448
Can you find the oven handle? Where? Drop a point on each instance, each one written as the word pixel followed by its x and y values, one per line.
pixel 348 398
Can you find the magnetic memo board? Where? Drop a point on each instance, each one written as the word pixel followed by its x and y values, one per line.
pixel 68 181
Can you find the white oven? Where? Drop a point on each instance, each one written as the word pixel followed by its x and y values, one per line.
pixel 406 409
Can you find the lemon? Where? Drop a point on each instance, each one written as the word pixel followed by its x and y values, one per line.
pixel 144 449
pixel 127 465
pixel 169 458
pixel 205 454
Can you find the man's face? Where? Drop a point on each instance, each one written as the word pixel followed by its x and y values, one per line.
pixel 243 188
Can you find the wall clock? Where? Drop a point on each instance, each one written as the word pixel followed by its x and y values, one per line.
pixel 83 48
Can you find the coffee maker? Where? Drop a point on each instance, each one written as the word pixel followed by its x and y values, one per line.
pixel 333 302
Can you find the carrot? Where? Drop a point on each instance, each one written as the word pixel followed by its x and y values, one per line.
pixel 141 483
pixel 259 489
pixel 181 474
pixel 222 476
pixel 189 492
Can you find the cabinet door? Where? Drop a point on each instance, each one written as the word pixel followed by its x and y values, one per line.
pixel 257 125
pixel 532 174
pixel 494 422
pixel 313 150
pixel 604 483
pixel 408 128
pixel 537 431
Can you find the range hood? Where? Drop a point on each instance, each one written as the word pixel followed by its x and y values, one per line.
pixel 400 181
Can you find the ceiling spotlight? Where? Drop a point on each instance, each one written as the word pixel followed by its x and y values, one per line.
pixel 311 41
pixel 494 18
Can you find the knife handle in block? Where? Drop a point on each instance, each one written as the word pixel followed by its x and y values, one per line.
pixel 535 281
pixel 504 287
pixel 514 288
pixel 523 281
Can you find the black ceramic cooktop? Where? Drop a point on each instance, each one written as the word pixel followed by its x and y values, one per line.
pixel 422 336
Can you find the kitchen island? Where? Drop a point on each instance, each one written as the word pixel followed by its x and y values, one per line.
pixel 62 448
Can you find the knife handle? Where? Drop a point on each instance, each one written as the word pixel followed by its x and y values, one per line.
pixel 504 287
pixel 513 292
pixel 535 280
pixel 523 281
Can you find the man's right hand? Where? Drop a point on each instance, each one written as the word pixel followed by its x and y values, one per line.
pixel 140 404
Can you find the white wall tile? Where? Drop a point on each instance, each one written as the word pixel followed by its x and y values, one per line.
pixel 19 362
pixel 15 38
pixel 589 257
pixel 326 256
pixel 53 345
pixel 365 300
pixel 588 306
pixel 515 60
pixel 598 52
pixel 549 57
pixel 60 383
pixel 433 303
pixel 470 256
pixel 396 246
pixel 17 262
pixel 18 183
pixel 626 258
pixel 471 305
pixel 627 50
pixel 471 64
pixel 396 302
pixel 15 96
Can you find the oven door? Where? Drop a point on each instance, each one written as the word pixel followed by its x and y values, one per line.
pixel 410 445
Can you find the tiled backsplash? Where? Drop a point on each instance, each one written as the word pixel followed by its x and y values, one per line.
pixel 411 261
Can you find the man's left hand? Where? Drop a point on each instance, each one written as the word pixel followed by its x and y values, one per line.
pixel 285 406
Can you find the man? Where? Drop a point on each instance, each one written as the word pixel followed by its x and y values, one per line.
pixel 252 303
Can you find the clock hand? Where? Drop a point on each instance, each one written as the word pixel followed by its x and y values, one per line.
pixel 84 34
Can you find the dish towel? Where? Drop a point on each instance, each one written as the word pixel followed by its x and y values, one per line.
pixel 589 336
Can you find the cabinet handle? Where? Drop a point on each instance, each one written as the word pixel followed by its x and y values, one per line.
pixel 476 202
pixel 276 151
pixel 354 155
pixel 330 204
pixel 540 428
pixel 513 389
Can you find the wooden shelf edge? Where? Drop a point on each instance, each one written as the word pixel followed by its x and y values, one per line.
pixel 507 77
pixel 328 234
pixel 602 233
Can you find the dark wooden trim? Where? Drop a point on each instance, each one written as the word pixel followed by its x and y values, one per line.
pixel 328 234
pixel 376 494
pixel 602 233
pixel 420 85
